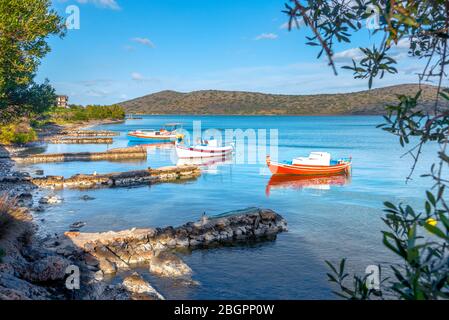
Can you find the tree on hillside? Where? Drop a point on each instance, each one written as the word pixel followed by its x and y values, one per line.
pixel 24 28
pixel 424 27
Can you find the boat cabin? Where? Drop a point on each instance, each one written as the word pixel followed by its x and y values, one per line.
pixel 314 159
pixel 210 143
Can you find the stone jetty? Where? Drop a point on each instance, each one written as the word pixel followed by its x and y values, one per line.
pixel 89 133
pixel 81 140
pixel 120 179
pixel 155 247
pixel 113 154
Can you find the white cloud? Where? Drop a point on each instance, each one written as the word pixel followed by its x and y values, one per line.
pixel 137 76
pixel 108 4
pixel 266 36
pixel 348 55
pixel 144 41
pixel 397 52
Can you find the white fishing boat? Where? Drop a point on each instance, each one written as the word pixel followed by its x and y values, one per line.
pixel 207 149
pixel 170 132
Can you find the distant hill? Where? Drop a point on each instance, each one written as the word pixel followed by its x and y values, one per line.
pixel 250 103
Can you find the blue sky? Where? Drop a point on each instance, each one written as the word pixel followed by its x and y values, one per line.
pixel 128 48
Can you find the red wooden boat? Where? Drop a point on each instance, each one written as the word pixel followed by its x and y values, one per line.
pixel 318 163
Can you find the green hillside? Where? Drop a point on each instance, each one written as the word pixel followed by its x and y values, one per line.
pixel 250 103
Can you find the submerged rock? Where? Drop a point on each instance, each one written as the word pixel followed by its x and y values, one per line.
pixel 25 199
pixel 77 225
pixel 87 198
pixel 140 289
pixel 99 276
pixel 39 208
pixel 53 199
pixel 166 264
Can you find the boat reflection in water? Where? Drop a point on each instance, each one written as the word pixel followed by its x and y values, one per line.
pixel 153 146
pixel 209 165
pixel 306 182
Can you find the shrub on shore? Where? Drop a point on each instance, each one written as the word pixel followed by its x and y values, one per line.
pixel 14 223
pixel 17 133
pixel 91 112
pixel 7 207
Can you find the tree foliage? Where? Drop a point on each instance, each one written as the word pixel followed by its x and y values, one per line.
pixel 419 238
pixel 24 28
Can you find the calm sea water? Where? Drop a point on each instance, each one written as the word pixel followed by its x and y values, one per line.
pixel 328 219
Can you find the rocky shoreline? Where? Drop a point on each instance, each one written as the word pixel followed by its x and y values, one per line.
pixel 36 268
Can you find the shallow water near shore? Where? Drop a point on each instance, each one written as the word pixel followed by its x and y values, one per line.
pixel 328 219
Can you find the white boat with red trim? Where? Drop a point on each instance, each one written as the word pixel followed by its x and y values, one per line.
pixel 207 149
pixel 170 132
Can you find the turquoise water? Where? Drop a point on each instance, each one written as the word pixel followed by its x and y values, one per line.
pixel 328 219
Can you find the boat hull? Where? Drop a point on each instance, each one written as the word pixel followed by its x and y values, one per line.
pixel 192 152
pixel 138 137
pixel 308 170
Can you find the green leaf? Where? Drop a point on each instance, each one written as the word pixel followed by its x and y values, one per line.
pixel 436 231
pixel 398 250
pixel 331 267
pixel 444 220
pixel 431 198
pixel 428 208
pixel 342 267
pixel 390 205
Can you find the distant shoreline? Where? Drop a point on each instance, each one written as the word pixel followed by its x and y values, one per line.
pixel 256 115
